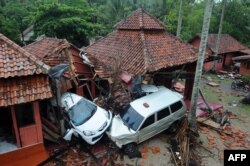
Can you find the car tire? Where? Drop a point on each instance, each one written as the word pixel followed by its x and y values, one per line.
pixel 173 128
pixel 131 150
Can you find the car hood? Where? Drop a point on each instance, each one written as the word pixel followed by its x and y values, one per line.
pixel 95 122
pixel 118 129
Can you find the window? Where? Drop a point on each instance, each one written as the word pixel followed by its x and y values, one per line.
pixel 81 112
pixel 163 113
pixel 25 114
pixel 150 120
pixel 176 106
pixel 131 118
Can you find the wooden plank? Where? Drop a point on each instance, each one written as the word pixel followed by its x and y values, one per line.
pixel 213 84
pixel 209 123
pixel 13 114
pixel 38 122
pixel 50 125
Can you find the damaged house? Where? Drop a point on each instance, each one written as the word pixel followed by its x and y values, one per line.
pixel 53 51
pixel 141 46
pixel 229 48
pixel 23 85
pixel 78 79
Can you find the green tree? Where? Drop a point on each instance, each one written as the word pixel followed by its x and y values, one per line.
pixel 8 28
pixel 63 21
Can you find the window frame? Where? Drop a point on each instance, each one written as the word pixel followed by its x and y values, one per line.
pixel 142 125
pixel 162 110
pixel 176 109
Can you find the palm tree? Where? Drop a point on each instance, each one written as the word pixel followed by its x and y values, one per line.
pixel 219 35
pixel 198 72
pixel 178 32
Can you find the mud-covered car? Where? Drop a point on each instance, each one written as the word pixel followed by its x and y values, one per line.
pixel 145 117
pixel 86 119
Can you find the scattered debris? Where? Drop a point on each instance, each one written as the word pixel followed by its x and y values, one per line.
pixel 213 84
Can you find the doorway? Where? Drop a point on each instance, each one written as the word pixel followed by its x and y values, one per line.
pixel 7 133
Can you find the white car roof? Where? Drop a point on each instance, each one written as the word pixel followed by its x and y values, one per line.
pixel 68 99
pixel 156 101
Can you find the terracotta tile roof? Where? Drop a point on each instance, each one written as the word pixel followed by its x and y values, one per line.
pixel 53 51
pixel 21 77
pixel 141 50
pixel 48 50
pixel 227 43
pixel 24 89
pixel 245 51
pixel 240 58
pixel 15 61
pixel 140 19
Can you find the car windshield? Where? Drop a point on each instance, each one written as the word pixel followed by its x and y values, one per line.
pixel 131 118
pixel 81 112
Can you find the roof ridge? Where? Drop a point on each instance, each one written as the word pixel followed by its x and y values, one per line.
pixel 141 13
pixel 148 60
pixel 23 52
pixel 161 23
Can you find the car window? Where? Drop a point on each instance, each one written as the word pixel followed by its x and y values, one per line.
pixel 131 118
pixel 163 113
pixel 150 120
pixel 176 106
pixel 81 112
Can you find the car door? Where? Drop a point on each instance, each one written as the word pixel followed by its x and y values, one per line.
pixel 147 130
pixel 163 120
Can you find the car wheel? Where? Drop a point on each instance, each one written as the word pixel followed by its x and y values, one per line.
pixel 173 128
pixel 131 150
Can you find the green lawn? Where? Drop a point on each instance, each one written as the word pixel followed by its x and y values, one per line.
pixel 224 97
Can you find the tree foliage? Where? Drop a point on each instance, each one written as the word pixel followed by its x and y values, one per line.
pixel 66 21
pixel 77 20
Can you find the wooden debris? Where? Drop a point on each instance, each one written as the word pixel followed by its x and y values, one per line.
pixel 209 123
pixel 213 84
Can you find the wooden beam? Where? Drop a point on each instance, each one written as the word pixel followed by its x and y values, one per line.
pixel 13 114
pixel 38 121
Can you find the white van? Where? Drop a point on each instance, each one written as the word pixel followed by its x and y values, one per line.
pixel 145 117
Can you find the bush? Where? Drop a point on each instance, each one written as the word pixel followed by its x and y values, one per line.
pixel 246 78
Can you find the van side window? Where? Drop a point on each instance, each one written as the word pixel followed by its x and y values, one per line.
pixel 163 113
pixel 176 106
pixel 150 120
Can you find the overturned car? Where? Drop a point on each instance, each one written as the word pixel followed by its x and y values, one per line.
pixel 86 119
pixel 145 117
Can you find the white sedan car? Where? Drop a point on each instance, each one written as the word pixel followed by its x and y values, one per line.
pixel 87 119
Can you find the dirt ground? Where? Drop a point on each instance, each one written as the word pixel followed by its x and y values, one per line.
pixel 156 151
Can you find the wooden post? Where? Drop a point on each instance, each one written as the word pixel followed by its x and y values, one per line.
pixel 38 121
pixel 58 97
pixel 93 89
pixel 13 114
